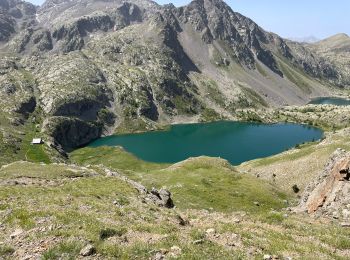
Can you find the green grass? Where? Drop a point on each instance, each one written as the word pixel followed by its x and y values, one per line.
pixel 262 70
pixel 36 153
pixel 214 93
pixel 47 172
pixel 295 76
pixel 192 182
pixel 254 96
pixel 298 166
pixel 302 151
pixel 21 217
pixel 138 125
pixel 19 147
pixel 33 153
pixel 113 157
pixel 209 115
pixel 64 202
pixel 6 251
pixel 84 211
pixel 69 249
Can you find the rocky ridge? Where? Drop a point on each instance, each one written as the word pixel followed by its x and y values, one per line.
pixel 107 66
pixel 336 49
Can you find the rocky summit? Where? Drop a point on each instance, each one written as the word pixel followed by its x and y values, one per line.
pixel 107 66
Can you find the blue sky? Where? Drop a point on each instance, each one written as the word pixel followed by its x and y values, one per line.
pixel 290 18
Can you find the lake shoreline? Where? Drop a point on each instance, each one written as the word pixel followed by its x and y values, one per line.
pixel 213 138
pixel 337 101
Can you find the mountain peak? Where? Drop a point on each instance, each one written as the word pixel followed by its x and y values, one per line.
pixel 339 36
pixel 340 40
pixel 344 35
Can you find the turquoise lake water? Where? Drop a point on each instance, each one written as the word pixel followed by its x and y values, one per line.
pixel 235 141
pixel 331 101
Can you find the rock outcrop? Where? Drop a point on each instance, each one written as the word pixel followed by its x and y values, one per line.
pixel 71 132
pixel 329 194
pixel 337 50
pixel 15 15
pixel 161 198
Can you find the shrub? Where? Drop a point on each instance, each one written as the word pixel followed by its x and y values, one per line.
pixel 295 188
pixel 6 250
pixel 108 232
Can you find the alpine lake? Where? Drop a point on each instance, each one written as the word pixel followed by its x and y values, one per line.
pixel 236 142
pixel 330 101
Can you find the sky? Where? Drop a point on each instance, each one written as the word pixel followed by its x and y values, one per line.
pixel 290 18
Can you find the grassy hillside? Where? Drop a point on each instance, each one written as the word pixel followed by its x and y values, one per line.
pixel 298 166
pixel 193 182
pixel 55 210
pixel 16 138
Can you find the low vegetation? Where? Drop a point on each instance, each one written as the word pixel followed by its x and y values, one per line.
pixel 15 141
pixel 300 165
pixel 220 213
pixel 192 182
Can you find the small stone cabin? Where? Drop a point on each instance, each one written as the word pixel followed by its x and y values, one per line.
pixel 37 141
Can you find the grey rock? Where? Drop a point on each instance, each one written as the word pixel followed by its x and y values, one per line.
pixel 162 198
pixel 159 256
pixel 71 132
pixel 88 250
pixel 199 241
pixel 210 231
pixel 26 106
pixel 345 224
pixel 16 233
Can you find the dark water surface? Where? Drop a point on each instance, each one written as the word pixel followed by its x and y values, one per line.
pixel 331 101
pixel 235 141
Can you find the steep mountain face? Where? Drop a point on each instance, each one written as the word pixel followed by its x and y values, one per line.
pixel 91 67
pixel 14 16
pixel 337 50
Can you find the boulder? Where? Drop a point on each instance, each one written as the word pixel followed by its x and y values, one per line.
pixel 88 250
pixel 328 194
pixel 175 251
pixel 162 198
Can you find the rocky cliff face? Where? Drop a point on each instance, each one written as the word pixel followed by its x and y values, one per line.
pixel 337 50
pixel 328 195
pixel 15 15
pixel 17 88
pixel 132 65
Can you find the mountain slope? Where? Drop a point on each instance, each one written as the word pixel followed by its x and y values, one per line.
pixel 336 42
pixel 106 66
pixel 336 49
